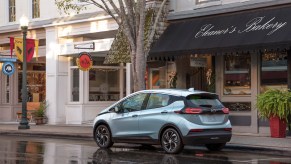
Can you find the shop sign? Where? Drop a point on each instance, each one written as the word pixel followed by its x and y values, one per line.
pixel 90 45
pixel 8 59
pixel 84 61
pixel 198 62
pixel 262 23
pixel 8 68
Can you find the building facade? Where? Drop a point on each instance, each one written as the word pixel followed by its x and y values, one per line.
pixel 73 96
pixel 237 49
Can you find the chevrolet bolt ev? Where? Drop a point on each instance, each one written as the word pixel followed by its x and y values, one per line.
pixel 169 117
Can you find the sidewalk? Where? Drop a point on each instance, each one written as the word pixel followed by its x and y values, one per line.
pixel 247 142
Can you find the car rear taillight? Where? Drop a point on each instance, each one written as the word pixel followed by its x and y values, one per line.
pixel 228 129
pixel 193 111
pixel 225 110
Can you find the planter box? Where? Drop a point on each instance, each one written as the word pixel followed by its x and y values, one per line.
pixel 278 127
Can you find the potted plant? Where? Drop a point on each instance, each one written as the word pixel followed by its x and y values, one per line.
pixel 275 105
pixel 40 113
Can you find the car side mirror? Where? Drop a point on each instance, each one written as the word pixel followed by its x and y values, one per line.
pixel 116 109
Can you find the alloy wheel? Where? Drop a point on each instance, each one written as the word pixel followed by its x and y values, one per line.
pixel 103 136
pixel 171 141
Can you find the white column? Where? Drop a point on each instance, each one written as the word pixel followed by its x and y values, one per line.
pixel 121 80
pixel 128 78
pixel 56 79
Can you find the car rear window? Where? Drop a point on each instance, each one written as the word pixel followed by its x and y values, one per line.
pixel 204 100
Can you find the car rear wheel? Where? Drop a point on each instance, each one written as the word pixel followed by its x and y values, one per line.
pixel 215 147
pixel 171 141
pixel 103 136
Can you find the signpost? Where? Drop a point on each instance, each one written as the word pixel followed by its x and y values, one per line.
pixel 8 66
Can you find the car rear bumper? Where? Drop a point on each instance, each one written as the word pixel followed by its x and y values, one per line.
pixel 206 137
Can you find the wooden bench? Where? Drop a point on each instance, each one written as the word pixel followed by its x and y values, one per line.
pixel 31 107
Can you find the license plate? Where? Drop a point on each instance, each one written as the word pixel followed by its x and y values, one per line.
pixel 209 118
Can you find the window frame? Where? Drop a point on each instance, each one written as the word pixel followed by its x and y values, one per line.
pixel 35 4
pixel 11 11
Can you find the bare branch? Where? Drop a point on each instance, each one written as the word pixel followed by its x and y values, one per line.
pixel 113 6
pixel 125 25
pixel 107 10
pixel 130 15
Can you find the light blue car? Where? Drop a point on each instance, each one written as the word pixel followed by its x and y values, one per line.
pixel 169 117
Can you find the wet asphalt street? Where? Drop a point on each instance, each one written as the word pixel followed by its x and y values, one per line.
pixel 31 150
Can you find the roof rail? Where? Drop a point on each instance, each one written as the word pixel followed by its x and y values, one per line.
pixel 191 89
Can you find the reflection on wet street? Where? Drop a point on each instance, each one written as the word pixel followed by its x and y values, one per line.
pixel 31 150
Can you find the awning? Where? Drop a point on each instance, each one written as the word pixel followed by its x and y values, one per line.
pixel 240 31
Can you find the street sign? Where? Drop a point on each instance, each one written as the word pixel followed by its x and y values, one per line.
pixel 90 45
pixel 198 62
pixel 8 59
pixel 8 68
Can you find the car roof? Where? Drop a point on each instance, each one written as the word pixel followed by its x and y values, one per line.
pixel 176 92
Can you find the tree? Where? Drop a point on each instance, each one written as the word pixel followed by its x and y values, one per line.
pixel 130 16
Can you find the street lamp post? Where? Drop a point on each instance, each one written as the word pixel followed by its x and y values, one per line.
pixel 24 123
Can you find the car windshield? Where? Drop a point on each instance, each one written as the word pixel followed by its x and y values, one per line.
pixel 204 100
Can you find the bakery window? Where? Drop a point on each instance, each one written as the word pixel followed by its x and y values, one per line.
pixel 237 74
pixel 273 70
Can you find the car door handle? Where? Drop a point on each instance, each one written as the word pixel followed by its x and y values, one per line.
pixel 164 112
pixel 134 115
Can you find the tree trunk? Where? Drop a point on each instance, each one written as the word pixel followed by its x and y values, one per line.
pixel 138 68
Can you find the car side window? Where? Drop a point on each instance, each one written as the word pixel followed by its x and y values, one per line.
pixel 157 100
pixel 133 103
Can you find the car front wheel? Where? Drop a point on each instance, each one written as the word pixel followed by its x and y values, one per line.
pixel 103 136
pixel 171 141
pixel 215 147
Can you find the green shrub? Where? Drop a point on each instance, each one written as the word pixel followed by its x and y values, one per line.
pixel 274 102
pixel 41 112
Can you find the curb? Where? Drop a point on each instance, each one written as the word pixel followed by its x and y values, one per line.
pixel 258 150
pixel 48 135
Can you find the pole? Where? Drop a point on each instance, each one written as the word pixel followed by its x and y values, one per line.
pixel 24 123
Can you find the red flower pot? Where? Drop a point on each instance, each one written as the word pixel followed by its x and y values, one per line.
pixel 277 127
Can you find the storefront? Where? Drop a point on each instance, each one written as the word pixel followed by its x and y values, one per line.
pixel 11 86
pixel 75 95
pixel 238 55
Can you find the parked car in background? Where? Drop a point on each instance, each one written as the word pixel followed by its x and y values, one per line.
pixel 169 117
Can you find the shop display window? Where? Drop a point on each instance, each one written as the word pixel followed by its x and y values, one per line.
pixel 161 76
pixel 273 70
pixel 36 79
pixel 237 74
pixel 104 81
pixel 75 76
pixel 158 78
pixel 7 89
pixel 104 84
